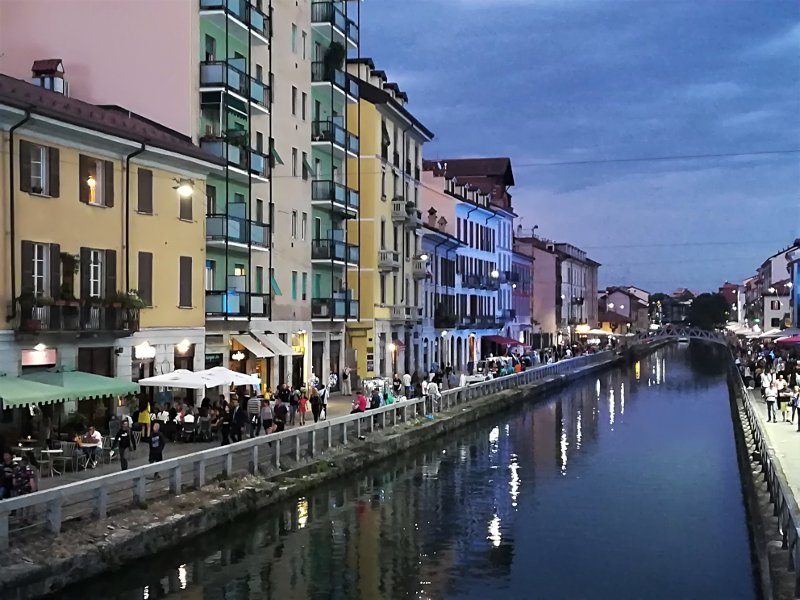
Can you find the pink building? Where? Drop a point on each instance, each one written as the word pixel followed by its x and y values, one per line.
pixel 545 288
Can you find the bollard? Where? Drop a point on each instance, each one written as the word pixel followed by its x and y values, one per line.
pixel 175 480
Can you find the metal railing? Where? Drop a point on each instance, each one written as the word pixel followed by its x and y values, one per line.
pixel 780 494
pixel 94 498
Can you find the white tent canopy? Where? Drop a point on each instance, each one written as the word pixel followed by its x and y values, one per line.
pixel 198 380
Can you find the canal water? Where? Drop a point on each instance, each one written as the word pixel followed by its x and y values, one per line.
pixel 622 486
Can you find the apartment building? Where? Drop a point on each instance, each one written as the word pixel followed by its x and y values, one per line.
pixel 335 195
pixel 386 338
pixel 578 285
pixel 234 76
pixel 521 326
pixel 103 245
pixel 545 287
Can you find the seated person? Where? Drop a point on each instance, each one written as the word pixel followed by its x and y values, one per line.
pixel 92 452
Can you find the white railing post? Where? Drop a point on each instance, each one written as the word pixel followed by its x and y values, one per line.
pixel 199 473
pixel 277 454
pixel 344 434
pixel 227 468
pixel 101 502
pixel 254 461
pixel 330 436
pixel 313 442
pixel 54 515
pixel 175 480
pixel 297 447
pixel 139 490
pixel 3 530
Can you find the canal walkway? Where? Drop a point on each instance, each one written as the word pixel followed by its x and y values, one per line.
pixel 784 438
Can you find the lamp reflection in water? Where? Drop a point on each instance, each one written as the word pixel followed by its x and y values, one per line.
pixel 637 370
pixel 494 531
pixel 302 513
pixel 622 398
pixel 182 576
pixel 611 408
pixel 597 388
pixel 564 446
pixel 579 431
pixel 513 484
pixel 494 436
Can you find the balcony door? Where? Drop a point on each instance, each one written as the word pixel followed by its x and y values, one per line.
pixel 317 228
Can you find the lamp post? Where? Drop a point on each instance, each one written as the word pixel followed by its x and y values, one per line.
pixel 392 348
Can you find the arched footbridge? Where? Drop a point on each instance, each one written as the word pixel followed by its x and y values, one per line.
pixel 677 332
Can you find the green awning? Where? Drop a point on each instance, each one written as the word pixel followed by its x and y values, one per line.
pixel 273 284
pixel 78 385
pixel 17 392
pixel 275 156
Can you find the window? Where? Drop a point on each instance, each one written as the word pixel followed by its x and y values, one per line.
pixel 294 101
pixel 776 322
pixel 96 273
pixel 294 285
pixel 294 38
pixel 271 88
pixel 260 142
pixel 394 289
pixel 305 44
pixel 294 224
pixel 383 234
pixel 145 284
pixel 775 304
pixel 303 105
pixel 145 191
pixel 211 199
pixel 185 210
pixel 383 289
pixel 306 167
pixel 294 162
pixel 41 270
pixel 96 181
pixel 211 267
pixel 317 228
pixel 303 226
pixel 39 169
pixel 259 280
pixel 303 286
pixel 239 270
pixel 316 291
pixel 259 73
pixel 185 282
pixel 211 48
pixel 259 210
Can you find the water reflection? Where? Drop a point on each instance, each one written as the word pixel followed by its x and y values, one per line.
pixel 498 510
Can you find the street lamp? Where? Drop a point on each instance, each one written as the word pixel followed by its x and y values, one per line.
pixel 611 305
pixel 184 187
pixel 424 257
pixel 495 274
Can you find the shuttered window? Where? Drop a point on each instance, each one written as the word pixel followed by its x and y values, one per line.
pixel 39 169
pixel 185 285
pixel 96 181
pixel 185 209
pixel 145 192
pixel 145 285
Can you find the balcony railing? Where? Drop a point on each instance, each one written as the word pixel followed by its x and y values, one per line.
pixel 399 211
pixel 231 75
pixel 331 191
pixel 388 260
pixel 444 321
pixel 334 308
pixel 241 10
pixel 471 281
pixel 235 303
pixel 78 316
pixel 246 159
pixel 237 229
pixel 330 249
pixel 328 12
pixel 320 74
pixel 333 132
pixel 420 269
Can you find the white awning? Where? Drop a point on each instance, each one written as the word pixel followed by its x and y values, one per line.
pixel 253 346
pixel 274 343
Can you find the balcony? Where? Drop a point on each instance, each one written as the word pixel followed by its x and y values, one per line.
pixel 339 308
pixel 231 76
pixel 388 260
pixel 420 269
pixel 332 133
pixel 234 303
pixel 398 314
pixel 77 317
pixel 414 220
pixel 244 16
pixel 237 231
pixel 399 212
pixel 471 281
pixel 340 81
pixel 326 14
pixel 444 321
pixel 337 197
pixel 332 250
pixel 244 162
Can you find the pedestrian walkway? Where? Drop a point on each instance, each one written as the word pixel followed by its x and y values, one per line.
pixel 784 438
pixel 337 407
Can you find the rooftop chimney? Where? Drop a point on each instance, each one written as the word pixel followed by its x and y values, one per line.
pixel 49 74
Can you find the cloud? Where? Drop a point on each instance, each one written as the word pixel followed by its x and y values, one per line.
pixel 713 90
pixel 786 41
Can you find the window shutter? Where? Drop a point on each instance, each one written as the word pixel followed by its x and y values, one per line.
pixel 110 275
pixel 54 172
pixel 26 271
pixel 24 166
pixel 185 293
pixel 108 182
pixel 83 192
pixel 145 285
pixel 55 271
pixel 145 191
pixel 85 258
pixel 186 209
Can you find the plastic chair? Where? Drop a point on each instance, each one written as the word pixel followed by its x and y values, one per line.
pixel 67 457
pixel 204 433
pixel 187 433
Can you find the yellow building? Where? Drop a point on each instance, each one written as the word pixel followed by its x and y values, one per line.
pixel 103 248
pixel 387 175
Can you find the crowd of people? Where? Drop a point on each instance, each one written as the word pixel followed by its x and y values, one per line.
pixel 776 372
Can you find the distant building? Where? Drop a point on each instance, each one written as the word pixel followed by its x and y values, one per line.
pixel 630 305
pixel 578 288
pixel 734 296
pixel 546 291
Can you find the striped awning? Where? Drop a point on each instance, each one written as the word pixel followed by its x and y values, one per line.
pixel 18 392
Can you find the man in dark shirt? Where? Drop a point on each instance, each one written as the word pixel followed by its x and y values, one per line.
pixel 280 411
pixel 238 421
pixel 124 441
pixel 157 443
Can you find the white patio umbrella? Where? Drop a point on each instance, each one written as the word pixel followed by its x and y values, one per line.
pixel 180 378
pixel 772 333
pixel 216 376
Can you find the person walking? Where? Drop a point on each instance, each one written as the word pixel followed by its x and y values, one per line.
pixel 254 415
pixel 279 414
pixel 294 404
pixel 144 417
pixel 238 421
pixel 266 416
pixel 156 444
pixel 316 404
pixel 771 395
pixel 302 407
pixel 766 381
pixel 407 384
pixel 346 386
pixel 224 425
pixel 124 441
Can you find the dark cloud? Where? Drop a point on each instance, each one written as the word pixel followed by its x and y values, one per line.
pixel 551 81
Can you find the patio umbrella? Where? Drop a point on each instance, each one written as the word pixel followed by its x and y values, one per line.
pixel 791 339
pixel 180 378
pixel 772 333
pixel 216 376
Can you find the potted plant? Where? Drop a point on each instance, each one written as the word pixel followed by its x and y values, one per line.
pixel 333 60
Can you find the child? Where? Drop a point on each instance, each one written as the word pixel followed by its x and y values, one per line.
pixel 303 407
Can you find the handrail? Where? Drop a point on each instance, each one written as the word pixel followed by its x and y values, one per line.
pixel 98 489
pixel 780 494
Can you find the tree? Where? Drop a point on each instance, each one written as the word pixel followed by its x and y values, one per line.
pixel 708 311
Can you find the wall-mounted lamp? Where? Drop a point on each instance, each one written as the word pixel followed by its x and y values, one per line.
pixel 184 187
pixel 391 346
pixel 40 347
pixel 183 346
pixel 238 355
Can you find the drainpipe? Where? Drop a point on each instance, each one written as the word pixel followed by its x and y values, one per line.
pixel 128 215
pixel 403 299
pixel 12 190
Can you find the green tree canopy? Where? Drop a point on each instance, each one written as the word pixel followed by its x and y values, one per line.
pixel 708 311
